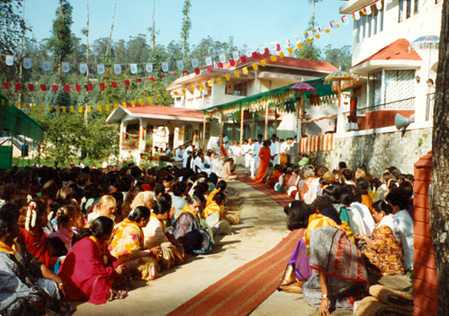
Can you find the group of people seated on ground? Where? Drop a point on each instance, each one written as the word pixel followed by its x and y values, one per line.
pixel 83 234
pixel 357 229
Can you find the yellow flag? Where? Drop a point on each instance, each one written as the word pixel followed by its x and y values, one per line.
pixel 107 107
pixel 263 62
pixel 201 86
pixel 48 108
pixel 32 106
pixel 41 108
pixel 56 108
pixel 72 109
pixel 299 45
pixel 133 103
pixel 281 54
pixel 327 30
pixel 228 77
pixel 255 67
pixel 115 106
pixel 3 101
pixel 290 50
pixel 159 97
pixel 24 106
pixel 140 101
pixel 64 109
pixel 210 83
pixel 245 70
pixel 88 109
pixel 18 104
pixel 80 109
pixel 124 104
pixel 237 73
pixel 167 95
pixel 184 91
pixel 150 100
pixel 317 36
pixel 10 103
pixel 175 93
pixel 100 108
pixel 273 58
pixel 219 80
pixel 192 88
pixel 309 40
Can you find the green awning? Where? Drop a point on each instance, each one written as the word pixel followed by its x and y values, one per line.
pixel 321 89
pixel 16 121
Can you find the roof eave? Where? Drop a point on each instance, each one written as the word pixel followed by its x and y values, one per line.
pixel 370 65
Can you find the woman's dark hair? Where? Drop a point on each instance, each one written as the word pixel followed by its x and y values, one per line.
pixel 407 187
pixel 166 198
pixel 321 203
pixel 161 207
pixel 382 206
pixel 7 191
pixel 9 216
pixel 398 197
pixel 139 213
pixel 219 198
pixel 197 198
pixel 158 189
pixel 298 214
pixel 179 188
pixel 363 185
pixel 168 178
pixel 375 184
pixel 101 226
pixel 221 185
pixel 347 195
pixel 332 193
pixel 201 188
pixel 342 165
pixel 348 174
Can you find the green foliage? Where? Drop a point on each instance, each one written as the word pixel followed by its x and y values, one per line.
pixel 309 50
pixel 186 26
pixel 339 57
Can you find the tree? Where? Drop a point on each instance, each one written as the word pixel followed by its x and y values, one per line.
pixel 309 50
pixel 439 214
pixel 61 45
pixel 313 2
pixel 339 57
pixel 186 26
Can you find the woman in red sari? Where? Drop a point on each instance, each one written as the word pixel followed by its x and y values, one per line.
pixel 265 158
pixel 89 271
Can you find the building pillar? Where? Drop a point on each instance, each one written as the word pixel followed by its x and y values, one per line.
pixel 266 120
pixel 204 133
pixel 242 118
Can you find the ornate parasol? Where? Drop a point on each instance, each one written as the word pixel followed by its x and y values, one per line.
pixel 424 42
pixel 340 77
pixel 300 87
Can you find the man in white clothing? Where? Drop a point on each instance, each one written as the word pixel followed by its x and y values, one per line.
pixel 274 150
pixel 178 154
pixel 255 155
pixel 399 201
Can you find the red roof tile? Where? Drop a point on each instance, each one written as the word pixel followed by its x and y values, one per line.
pixel 398 50
pixel 164 110
pixel 287 62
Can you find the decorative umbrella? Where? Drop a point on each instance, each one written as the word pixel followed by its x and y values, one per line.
pixel 428 41
pixel 338 77
pixel 300 87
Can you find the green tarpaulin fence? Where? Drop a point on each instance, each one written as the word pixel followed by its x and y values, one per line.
pixel 16 121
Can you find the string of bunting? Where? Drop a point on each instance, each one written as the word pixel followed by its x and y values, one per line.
pixel 235 56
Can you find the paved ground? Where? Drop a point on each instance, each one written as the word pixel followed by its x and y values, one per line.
pixel 262 227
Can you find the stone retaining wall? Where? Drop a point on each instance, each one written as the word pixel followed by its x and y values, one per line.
pixel 376 152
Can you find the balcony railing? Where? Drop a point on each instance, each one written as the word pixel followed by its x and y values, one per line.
pixel 379 116
pixel 316 143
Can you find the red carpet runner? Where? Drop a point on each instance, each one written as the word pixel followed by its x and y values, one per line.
pixel 243 290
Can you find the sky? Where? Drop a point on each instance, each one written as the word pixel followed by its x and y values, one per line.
pixel 250 23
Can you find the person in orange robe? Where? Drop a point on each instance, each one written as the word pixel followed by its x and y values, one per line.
pixel 265 158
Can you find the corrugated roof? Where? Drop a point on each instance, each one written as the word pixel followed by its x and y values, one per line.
pixel 398 50
pixel 165 110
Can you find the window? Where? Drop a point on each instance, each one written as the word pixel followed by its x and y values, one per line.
pixel 416 10
pixel 399 85
pixel 401 11
pixel 240 88
pixel 409 9
pixel 375 88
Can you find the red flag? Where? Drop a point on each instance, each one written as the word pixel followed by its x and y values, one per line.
pixel 18 86
pixel 6 85
pixel 197 70
pixel 101 84
pixel 186 72
pixel 161 75
pixel 232 62
pixel 31 87
pixel 278 47
pixel 267 51
pixel 66 88
pixel 174 73
pixel 43 87
pixel 114 84
pixel 243 59
pixel 220 65
pixel 54 88
pixel 78 87
pixel 151 78
pixel 209 68
pixel 255 55
pixel 89 87
pixel 138 79
pixel 126 82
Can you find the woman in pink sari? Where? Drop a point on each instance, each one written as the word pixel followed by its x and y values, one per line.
pixel 89 271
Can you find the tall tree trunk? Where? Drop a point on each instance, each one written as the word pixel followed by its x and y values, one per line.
pixel 439 214
pixel 21 60
pixel 110 34
pixel 87 62
pixel 153 34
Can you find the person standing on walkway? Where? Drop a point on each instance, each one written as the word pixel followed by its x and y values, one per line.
pixel 255 155
pixel 265 158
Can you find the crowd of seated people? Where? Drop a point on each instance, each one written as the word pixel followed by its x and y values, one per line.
pixel 83 234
